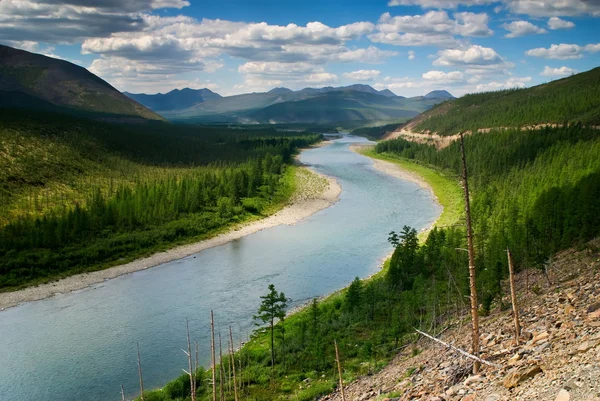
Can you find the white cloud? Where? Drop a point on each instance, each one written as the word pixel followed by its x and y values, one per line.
pixel 441 77
pixel 554 8
pixel 512 82
pixel 557 72
pixel 321 78
pixel 434 28
pixel 534 8
pixel 439 3
pixel 411 55
pixel 592 48
pixel 476 59
pixel 522 28
pixel 563 51
pixel 188 44
pixel 362 75
pixel 557 23
pixel 263 76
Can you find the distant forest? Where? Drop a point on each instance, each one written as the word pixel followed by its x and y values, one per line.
pixel 78 194
pixel 568 100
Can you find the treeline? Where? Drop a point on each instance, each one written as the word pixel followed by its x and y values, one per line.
pixel 535 192
pixel 568 100
pixel 78 204
pixel 375 133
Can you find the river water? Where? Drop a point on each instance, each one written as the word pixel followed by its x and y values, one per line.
pixel 81 346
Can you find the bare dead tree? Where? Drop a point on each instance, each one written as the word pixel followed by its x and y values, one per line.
pixel 140 372
pixel 339 366
pixel 513 296
pixel 470 249
pixel 190 363
pixel 221 391
pixel 212 347
pixel 235 387
pixel 122 393
pixel 460 351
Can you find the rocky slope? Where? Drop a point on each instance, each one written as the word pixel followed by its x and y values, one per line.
pixel 558 357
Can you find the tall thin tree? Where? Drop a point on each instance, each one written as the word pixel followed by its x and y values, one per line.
pixel 235 387
pixel 221 391
pixel 139 360
pixel 212 347
pixel 471 251
pixel 513 296
pixel 190 363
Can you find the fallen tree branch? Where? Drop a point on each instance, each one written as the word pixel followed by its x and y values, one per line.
pixel 460 351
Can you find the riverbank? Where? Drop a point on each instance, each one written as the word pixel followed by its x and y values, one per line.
pixel 314 192
pixel 444 189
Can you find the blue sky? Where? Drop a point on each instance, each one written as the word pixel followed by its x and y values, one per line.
pixel 235 46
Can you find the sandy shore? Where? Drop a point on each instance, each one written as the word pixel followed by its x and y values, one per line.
pixel 397 171
pixel 315 192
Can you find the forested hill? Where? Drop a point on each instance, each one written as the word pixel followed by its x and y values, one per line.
pixel 78 195
pixel 33 81
pixel 572 99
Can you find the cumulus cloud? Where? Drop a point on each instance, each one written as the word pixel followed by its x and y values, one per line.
pixel 411 55
pixel 434 28
pixel 362 75
pixel 510 83
pixel 557 72
pixel 439 3
pixel 262 76
pixel 555 8
pixel 441 77
pixel 476 59
pixel 71 21
pixel 522 28
pixel 555 23
pixel 534 8
pixel 563 51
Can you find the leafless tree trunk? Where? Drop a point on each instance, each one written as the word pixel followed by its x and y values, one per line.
pixel 190 363
pixel 122 393
pixel 221 391
pixel 513 296
pixel 140 372
pixel 212 347
pixel 339 366
pixel 472 273
pixel 235 387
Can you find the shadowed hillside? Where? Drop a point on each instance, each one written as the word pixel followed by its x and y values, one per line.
pixel 33 81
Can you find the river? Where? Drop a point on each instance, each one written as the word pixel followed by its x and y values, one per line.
pixel 81 346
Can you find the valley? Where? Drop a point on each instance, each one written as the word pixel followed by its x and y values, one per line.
pixel 330 226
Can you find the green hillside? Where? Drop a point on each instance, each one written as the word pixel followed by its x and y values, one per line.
pixel 572 99
pixel 78 195
pixel 349 104
pixel 33 81
pixel 342 106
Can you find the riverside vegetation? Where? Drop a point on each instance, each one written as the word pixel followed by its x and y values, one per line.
pixel 79 195
pixel 533 191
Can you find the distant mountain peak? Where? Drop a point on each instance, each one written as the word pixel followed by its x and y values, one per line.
pixel 387 92
pixel 280 91
pixel 439 94
pixel 176 99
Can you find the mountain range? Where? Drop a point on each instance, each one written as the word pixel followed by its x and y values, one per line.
pixel 282 105
pixel 34 81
